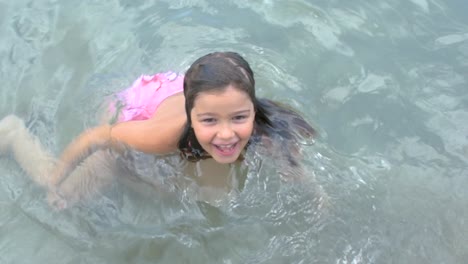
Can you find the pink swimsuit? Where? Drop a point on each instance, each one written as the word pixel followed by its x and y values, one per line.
pixel 141 100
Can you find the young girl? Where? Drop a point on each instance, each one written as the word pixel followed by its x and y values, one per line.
pixel 210 113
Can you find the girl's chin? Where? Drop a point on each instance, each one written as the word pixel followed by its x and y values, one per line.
pixel 225 161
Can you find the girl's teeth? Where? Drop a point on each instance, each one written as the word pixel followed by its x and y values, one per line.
pixel 225 147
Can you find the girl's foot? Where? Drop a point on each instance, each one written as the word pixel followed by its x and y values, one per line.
pixel 8 126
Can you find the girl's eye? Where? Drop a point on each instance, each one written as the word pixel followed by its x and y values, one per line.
pixel 239 117
pixel 208 120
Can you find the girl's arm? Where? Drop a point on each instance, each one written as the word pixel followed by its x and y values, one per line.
pixel 81 147
pixel 150 136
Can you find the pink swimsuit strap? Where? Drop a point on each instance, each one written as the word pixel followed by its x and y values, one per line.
pixel 141 100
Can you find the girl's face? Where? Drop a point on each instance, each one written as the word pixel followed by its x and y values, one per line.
pixel 223 122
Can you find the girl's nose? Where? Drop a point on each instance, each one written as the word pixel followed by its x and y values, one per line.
pixel 225 132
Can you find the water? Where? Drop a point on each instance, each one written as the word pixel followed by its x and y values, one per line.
pixel 383 82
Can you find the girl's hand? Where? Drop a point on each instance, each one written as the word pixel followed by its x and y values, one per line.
pixel 56 201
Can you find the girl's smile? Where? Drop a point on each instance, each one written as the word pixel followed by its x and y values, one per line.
pixel 223 122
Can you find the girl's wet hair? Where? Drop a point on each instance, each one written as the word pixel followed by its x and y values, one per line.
pixel 215 72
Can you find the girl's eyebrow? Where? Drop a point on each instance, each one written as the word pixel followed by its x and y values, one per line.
pixel 247 111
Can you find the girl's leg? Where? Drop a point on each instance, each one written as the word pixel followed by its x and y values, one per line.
pixel 27 150
pixel 86 179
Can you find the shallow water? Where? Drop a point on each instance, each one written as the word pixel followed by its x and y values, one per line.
pixel 384 83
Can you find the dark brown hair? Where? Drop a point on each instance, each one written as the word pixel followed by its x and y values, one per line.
pixel 215 72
